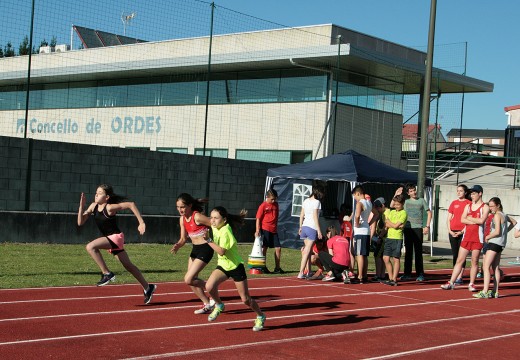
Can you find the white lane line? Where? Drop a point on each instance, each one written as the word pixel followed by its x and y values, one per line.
pixel 147 309
pixel 442 347
pixel 292 316
pixel 312 337
pixel 138 295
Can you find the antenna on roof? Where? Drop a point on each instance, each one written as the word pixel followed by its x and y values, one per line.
pixel 126 18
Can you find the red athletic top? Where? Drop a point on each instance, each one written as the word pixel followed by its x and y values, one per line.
pixel 192 228
pixel 268 215
pixel 474 232
pixel 346 229
pixel 340 249
pixel 457 208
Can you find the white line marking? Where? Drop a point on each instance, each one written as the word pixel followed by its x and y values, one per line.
pixel 30 318
pixel 292 316
pixel 310 337
pixel 442 347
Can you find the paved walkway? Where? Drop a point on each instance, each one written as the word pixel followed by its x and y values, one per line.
pixel 443 249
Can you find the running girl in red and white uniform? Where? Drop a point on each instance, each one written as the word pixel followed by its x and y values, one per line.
pixel 104 208
pixel 195 225
pixel 473 217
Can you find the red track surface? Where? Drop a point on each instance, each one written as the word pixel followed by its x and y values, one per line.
pixel 305 319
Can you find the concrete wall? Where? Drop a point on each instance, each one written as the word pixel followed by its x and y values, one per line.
pixel 510 200
pixel 42 177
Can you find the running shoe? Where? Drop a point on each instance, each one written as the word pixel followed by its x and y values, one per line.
pixel 318 275
pixel 259 323
pixel 494 295
pixel 148 294
pixel 479 275
pixel 266 270
pixel 420 278
pixel 389 283
pixel 205 309
pixel 483 295
pixel 459 281
pixel 106 278
pixel 472 288
pixel 448 286
pixel 302 276
pixel 216 312
pixel 278 271
pixel 405 277
pixel 329 278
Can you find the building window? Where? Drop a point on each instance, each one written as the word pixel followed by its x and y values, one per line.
pixel 173 150
pixel 274 156
pixel 495 141
pixel 300 193
pixel 219 153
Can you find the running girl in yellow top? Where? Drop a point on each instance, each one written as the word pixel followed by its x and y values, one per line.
pixel 230 264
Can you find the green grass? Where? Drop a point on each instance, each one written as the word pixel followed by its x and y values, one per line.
pixel 41 265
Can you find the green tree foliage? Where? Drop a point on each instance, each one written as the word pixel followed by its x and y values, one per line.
pixel 24 49
pixel 54 41
pixel 9 50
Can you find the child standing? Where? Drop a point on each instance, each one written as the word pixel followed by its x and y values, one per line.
pixel 230 264
pixel 378 231
pixel 309 230
pixel 104 209
pixel 395 220
pixel 496 241
pixel 195 225
pixel 266 227
pixel 361 242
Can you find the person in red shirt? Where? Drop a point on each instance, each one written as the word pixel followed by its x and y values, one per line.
pixel 266 227
pixel 337 259
pixel 456 227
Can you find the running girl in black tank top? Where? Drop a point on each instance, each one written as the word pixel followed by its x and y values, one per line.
pixel 104 208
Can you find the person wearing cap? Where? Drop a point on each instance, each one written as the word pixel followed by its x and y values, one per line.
pixel 414 230
pixel 474 217
pixel 378 233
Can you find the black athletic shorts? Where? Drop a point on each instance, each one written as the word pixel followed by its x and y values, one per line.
pixel 202 252
pixel 238 274
pixel 270 239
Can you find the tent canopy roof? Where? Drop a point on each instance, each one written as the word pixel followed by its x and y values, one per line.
pixel 347 166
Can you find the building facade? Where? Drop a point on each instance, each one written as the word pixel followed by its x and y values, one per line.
pixel 280 96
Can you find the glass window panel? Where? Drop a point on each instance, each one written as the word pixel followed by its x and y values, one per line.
pixel 173 150
pixel 144 94
pixel 309 88
pixel 258 90
pixel 271 156
pixel 112 96
pixel 179 93
pixel 220 153
pixel 83 95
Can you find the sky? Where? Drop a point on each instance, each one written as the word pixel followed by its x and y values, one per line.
pixel 490 30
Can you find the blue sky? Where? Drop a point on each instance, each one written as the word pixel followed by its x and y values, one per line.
pixel 489 28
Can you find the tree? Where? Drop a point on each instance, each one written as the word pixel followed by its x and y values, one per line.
pixel 24 49
pixel 1 52
pixel 54 41
pixel 8 50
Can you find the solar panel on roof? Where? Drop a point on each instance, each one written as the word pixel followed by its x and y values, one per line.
pixel 96 38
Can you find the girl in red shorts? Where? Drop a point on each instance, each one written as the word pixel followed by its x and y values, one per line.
pixel 104 208
pixel 473 217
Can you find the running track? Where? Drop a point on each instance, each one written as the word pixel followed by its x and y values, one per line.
pixel 305 319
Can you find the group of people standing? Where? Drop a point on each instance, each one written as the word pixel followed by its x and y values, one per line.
pixel 477 227
pixel 376 227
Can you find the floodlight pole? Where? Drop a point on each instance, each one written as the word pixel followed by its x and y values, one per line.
pixel 425 108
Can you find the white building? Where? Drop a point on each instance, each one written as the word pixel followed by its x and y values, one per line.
pixel 272 95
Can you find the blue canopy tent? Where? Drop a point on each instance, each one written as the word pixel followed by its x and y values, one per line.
pixel 342 172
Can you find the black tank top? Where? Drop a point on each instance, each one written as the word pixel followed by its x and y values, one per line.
pixel 107 224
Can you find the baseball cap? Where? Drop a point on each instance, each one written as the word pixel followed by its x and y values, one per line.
pixel 379 202
pixel 476 188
